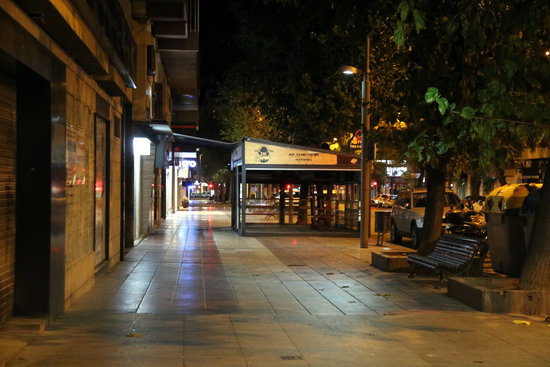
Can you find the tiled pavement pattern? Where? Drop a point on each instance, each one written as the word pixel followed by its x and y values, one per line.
pixel 195 294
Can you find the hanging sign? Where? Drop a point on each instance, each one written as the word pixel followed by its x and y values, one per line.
pixel 355 142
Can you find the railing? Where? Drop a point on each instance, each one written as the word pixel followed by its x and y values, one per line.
pixel 337 214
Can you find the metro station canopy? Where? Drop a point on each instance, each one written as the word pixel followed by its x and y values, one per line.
pixel 330 178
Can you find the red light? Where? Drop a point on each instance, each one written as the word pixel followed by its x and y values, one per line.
pixel 374 183
pixel 288 187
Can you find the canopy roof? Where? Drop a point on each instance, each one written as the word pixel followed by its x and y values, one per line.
pixel 267 155
pixel 270 162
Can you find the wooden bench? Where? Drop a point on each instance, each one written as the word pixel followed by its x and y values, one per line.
pixel 452 254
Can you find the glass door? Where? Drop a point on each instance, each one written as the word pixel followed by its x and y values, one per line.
pixel 100 188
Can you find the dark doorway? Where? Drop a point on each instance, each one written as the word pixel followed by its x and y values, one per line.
pixel 33 190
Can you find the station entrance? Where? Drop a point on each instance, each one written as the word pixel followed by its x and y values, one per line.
pixel 282 189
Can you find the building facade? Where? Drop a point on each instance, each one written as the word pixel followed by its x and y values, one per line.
pixel 79 79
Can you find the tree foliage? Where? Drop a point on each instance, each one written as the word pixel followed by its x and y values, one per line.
pixel 291 53
pixel 464 64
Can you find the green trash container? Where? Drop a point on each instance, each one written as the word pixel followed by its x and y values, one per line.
pixel 506 228
pixel 381 221
pixel 528 210
pixel 381 225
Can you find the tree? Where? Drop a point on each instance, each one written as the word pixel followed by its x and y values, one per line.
pixel 240 110
pixel 489 59
pixel 470 52
pixel 222 179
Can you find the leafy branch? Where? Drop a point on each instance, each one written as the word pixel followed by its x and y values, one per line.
pixel 467 112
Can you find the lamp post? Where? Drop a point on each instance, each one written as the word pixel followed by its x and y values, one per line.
pixel 366 164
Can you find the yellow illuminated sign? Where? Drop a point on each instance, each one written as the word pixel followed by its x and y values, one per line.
pixel 259 153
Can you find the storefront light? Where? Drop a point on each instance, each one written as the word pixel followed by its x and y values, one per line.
pixel 188 163
pixel 142 146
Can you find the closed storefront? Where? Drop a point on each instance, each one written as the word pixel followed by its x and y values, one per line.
pixel 8 136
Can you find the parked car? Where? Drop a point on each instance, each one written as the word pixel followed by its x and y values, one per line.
pixel 390 201
pixel 375 201
pixel 407 215
pixel 383 200
pixel 200 195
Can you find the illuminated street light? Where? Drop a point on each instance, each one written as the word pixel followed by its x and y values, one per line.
pixel 366 164
pixel 350 70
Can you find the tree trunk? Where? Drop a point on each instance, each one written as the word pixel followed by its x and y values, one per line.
pixel 302 210
pixel 475 184
pixel 435 178
pixel 536 269
pixel 500 177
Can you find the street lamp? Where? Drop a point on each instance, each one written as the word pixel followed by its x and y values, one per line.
pixel 366 164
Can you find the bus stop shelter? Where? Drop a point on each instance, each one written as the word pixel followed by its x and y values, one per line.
pixel 270 181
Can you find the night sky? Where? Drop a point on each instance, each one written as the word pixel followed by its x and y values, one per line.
pixel 216 39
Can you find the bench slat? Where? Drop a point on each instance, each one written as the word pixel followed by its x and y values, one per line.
pixel 452 246
pixel 423 262
pixel 449 245
pixel 458 250
pixel 447 259
pixel 452 252
pixel 458 245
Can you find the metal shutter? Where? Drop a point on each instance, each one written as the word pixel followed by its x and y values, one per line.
pixel 8 148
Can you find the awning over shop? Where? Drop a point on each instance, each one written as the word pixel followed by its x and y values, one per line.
pixel 202 142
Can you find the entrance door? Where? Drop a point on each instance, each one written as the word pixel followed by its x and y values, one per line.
pixel 101 189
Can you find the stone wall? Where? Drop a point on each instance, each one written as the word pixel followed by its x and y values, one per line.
pixel 80 265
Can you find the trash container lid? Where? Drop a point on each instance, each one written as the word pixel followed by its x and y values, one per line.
pixel 508 197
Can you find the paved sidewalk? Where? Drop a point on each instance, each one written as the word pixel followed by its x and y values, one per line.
pixel 196 294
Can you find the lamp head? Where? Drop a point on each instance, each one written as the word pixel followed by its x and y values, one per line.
pixel 348 70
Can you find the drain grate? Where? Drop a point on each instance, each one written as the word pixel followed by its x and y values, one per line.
pixel 292 358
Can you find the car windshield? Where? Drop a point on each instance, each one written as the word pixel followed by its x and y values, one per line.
pixel 420 199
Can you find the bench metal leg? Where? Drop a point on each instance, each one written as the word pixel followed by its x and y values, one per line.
pixel 413 271
pixel 442 279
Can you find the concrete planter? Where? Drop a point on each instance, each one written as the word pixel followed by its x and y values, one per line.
pixel 499 295
pixel 392 261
